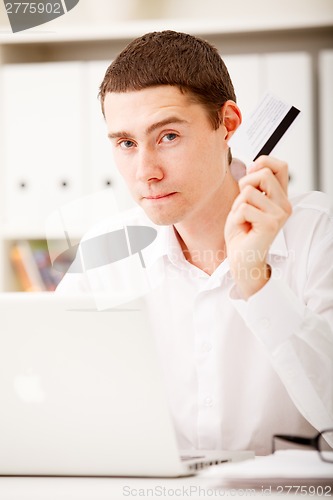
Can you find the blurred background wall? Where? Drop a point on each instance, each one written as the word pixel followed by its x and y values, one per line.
pixel 108 11
pixel 53 145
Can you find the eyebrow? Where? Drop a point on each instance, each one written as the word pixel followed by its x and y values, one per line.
pixel 150 129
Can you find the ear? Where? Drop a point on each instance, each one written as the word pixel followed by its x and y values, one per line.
pixel 231 118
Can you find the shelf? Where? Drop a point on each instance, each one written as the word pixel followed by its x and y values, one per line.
pixel 29 231
pixel 132 29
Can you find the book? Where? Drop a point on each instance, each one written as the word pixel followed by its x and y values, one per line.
pixel 32 265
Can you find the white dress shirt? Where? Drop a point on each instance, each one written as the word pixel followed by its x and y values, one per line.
pixel 236 371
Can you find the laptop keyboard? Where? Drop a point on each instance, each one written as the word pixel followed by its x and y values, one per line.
pixel 202 463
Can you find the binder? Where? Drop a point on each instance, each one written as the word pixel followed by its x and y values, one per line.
pixel 289 76
pixel 43 154
pixel 246 75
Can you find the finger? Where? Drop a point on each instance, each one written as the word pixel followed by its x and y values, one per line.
pixel 247 213
pixel 278 167
pixel 265 181
pixel 254 197
pixel 250 219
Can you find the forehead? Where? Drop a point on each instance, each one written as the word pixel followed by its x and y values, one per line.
pixel 143 107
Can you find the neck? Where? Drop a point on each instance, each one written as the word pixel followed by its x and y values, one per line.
pixel 202 236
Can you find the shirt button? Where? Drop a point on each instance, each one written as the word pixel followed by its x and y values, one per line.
pixel 208 401
pixel 206 347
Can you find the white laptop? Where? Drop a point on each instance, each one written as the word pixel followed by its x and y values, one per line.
pixel 81 393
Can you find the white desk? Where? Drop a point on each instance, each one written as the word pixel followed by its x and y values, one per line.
pixel 194 488
pixel 256 478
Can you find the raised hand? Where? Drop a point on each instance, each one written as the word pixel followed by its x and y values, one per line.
pixel 257 215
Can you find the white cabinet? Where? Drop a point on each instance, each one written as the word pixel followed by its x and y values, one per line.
pixel 245 72
pixel 289 77
pixel 42 157
pixel 54 152
pixel 42 154
pixel 326 121
pixel 55 146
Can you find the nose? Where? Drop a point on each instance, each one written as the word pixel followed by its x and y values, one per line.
pixel 148 168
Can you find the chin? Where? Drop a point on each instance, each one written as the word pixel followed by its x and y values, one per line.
pixel 163 219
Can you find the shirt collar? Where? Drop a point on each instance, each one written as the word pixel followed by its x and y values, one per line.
pixel 167 244
pixel 159 247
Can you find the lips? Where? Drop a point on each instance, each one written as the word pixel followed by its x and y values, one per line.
pixel 158 196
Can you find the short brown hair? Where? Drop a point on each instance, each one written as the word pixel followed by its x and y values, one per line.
pixel 171 58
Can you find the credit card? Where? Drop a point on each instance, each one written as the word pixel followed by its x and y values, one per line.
pixel 262 129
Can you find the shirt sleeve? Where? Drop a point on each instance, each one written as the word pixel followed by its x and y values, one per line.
pixel 297 332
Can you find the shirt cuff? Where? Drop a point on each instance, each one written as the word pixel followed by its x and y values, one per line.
pixel 273 314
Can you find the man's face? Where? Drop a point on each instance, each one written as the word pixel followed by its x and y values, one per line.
pixel 165 147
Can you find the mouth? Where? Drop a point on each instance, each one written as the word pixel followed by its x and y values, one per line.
pixel 159 196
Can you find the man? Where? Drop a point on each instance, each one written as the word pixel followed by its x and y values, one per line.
pixel 243 313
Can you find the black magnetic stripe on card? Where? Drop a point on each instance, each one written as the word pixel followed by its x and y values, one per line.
pixel 278 132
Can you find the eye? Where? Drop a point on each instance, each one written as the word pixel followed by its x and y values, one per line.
pixel 126 144
pixel 169 137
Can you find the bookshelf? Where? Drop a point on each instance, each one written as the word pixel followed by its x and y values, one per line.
pixel 57 112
